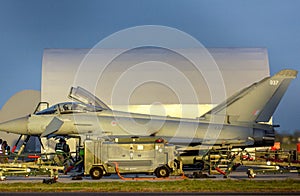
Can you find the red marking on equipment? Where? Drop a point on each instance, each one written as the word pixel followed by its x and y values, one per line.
pixel 69 169
pixel 14 148
pixel 276 146
pixel 160 140
pixel 33 156
pixel 220 171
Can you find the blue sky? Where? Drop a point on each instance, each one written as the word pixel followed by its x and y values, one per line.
pixel 27 27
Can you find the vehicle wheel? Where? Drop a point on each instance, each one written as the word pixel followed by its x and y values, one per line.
pixel 162 172
pixel 177 164
pixel 96 173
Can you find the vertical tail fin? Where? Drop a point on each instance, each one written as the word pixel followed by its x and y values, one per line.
pixel 257 102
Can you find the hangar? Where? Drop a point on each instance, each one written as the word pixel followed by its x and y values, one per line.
pixel 239 68
pixel 125 82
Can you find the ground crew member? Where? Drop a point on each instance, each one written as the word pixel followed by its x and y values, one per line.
pixel 62 149
pixel 80 163
pixel 5 148
pixel 2 160
pixel 1 151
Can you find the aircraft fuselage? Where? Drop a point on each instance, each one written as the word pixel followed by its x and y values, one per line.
pixel 175 130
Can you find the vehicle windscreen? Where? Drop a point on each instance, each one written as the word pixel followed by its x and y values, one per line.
pixel 70 107
pixel 51 110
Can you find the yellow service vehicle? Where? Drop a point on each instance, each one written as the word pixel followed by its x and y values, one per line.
pixel 130 155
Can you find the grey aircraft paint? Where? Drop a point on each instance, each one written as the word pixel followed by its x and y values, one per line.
pixel 239 121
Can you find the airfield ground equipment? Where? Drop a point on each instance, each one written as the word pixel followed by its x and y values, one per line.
pixel 33 168
pixel 272 161
pixel 213 161
pixel 225 160
pixel 27 165
pixel 130 155
pixel 17 164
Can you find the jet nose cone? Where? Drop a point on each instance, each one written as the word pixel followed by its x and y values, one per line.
pixel 18 126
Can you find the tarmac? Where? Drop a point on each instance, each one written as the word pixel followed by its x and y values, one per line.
pixel 240 174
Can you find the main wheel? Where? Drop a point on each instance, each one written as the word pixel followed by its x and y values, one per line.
pixel 162 172
pixel 96 173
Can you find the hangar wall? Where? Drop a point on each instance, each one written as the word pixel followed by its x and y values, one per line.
pixel 63 68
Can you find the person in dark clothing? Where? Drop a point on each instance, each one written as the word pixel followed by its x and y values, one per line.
pixel 1 149
pixel 62 150
pixel 2 159
pixel 62 147
pixel 5 148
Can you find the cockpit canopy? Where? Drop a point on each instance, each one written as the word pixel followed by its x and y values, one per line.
pixel 70 107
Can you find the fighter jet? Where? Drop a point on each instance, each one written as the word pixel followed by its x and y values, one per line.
pixel 239 121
